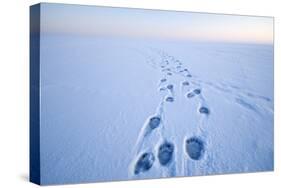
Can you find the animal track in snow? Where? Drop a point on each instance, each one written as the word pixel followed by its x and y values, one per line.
pixel 162 89
pixel 185 83
pixel 169 99
pixel 246 104
pixel 197 91
pixel 170 87
pixel 193 93
pixel 163 80
pixel 194 148
pixel 144 163
pixel 165 153
pixel 178 67
pixel 154 122
pixel 190 95
pixel 204 110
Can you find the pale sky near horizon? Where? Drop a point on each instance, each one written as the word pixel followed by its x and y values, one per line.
pixel 106 21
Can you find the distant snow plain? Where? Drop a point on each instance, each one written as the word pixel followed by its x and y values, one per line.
pixel 122 109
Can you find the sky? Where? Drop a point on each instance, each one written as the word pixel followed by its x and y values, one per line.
pixel 175 25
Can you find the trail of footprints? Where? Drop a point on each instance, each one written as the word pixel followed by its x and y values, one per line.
pixel 240 96
pixel 164 153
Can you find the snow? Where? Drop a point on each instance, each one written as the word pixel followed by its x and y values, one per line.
pixel 98 96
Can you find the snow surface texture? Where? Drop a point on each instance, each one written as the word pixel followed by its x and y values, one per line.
pixel 117 109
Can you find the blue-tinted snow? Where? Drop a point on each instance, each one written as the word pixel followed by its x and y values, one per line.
pixel 97 95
